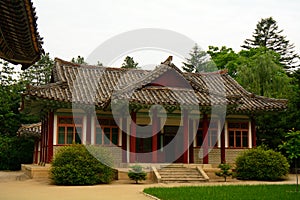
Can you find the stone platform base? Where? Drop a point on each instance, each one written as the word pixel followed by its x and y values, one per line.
pixel 36 171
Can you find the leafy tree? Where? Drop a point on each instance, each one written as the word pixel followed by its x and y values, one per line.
pixel 39 73
pixel 9 100
pixel 199 61
pixel 129 63
pixel 224 58
pixel 11 89
pixel 7 73
pixel 261 73
pixel 79 60
pixel 268 35
pixel 15 151
pixel 292 149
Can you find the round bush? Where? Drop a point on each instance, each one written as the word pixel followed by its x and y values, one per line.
pixel 74 165
pixel 260 164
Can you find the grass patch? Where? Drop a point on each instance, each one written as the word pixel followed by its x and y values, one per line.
pixel 259 192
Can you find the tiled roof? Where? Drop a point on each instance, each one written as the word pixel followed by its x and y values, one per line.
pixel 101 85
pixel 30 130
pixel 20 42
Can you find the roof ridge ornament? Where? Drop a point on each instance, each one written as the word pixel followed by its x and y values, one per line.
pixel 168 61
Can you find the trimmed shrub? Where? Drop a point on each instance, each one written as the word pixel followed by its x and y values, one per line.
pixel 224 171
pixel 137 174
pixel 260 164
pixel 74 165
pixel 15 151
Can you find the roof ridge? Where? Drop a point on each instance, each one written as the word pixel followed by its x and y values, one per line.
pixel 58 60
pixel 269 99
pixel 218 72
pixel 56 84
pixel 149 77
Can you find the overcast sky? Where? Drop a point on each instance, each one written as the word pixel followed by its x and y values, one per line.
pixel 76 27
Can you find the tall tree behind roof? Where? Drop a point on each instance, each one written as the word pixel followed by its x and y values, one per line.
pixel 199 61
pixel 129 63
pixel 268 35
pixel 225 58
pixel 79 60
pixel 260 72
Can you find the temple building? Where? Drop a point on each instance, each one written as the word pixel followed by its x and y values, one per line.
pixel 146 116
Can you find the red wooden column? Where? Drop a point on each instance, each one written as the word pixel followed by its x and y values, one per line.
pixel 133 137
pixel 124 139
pixel 223 155
pixel 88 139
pixel 191 141
pixel 50 136
pixel 185 135
pixel 253 130
pixel 154 135
pixel 205 139
pixel 42 139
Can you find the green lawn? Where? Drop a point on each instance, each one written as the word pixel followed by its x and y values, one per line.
pixel 259 192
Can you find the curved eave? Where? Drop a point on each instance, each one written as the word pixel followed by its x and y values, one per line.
pixel 20 42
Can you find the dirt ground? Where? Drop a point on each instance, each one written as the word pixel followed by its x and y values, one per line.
pixel 14 188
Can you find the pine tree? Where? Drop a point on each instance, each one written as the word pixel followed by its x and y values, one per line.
pixel 129 63
pixel 268 35
pixel 199 61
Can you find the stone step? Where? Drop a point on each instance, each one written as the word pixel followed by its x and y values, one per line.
pixel 180 174
pixel 172 166
pixel 177 169
pixel 176 180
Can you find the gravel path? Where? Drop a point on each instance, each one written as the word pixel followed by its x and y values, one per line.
pixel 34 189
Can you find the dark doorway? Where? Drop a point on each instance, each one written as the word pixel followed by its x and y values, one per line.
pixel 173 144
pixel 144 149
